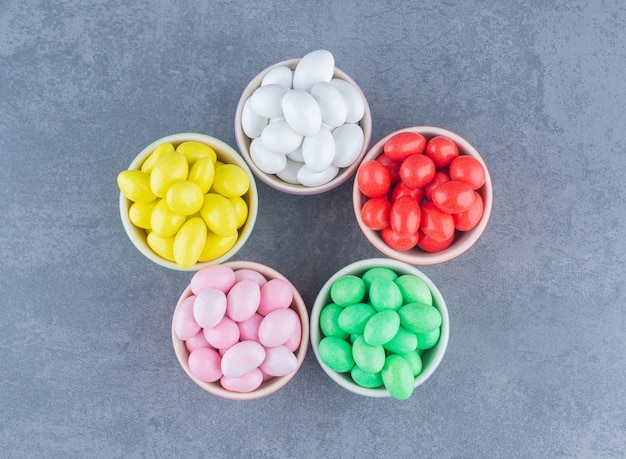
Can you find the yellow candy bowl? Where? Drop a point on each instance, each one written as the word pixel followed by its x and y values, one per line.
pixel 213 214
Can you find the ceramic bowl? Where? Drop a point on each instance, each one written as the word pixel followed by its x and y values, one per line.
pixel 463 240
pixel 225 154
pixel 243 141
pixel 431 358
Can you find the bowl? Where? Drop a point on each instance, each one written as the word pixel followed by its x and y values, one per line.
pixel 431 358
pixel 243 141
pixel 271 385
pixel 463 240
pixel 225 154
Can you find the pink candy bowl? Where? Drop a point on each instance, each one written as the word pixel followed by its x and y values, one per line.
pixel 226 154
pixel 271 385
pixel 243 141
pixel 463 240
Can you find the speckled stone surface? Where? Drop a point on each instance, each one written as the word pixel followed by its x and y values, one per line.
pixel 537 355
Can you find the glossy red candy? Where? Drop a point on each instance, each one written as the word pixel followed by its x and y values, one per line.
pixel 396 242
pixel 402 190
pixel 436 223
pixel 392 166
pixel 441 150
pixel 438 178
pixel 469 170
pixel 467 220
pixel 402 145
pixel 428 244
pixel 375 213
pixel 373 179
pixel 417 171
pixel 453 196
pixel 404 217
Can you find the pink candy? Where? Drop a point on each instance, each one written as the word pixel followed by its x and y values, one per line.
pixel 238 327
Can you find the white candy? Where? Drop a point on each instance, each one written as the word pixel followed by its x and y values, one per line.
pixel 251 122
pixel 266 101
pixel 281 75
pixel 309 178
pixel 290 173
pixel 302 112
pixel 280 138
pixel 266 160
pixel 332 104
pixel 354 101
pixel 316 66
pixel 318 150
pixel 349 140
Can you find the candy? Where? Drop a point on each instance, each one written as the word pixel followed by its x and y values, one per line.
pixel 170 168
pixel 242 358
pixel 402 145
pixel 209 307
pixel 353 318
pixel 336 354
pixel 453 196
pixel 398 377
pixel 204 363
pixel 135 185
pixel 243 300
pixel 329 321
pixel 277 326
pixel 381 327
pixel 441 150
pixel 347 290
pixel 189 242
pixel 419 317
pixel 368 357
pixel 385 294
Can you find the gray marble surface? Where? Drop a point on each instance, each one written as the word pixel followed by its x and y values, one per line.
pixel 537 355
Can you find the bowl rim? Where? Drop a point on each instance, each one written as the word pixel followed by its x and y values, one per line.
pixel 271 385
pixel 463 241
pixel 138 236
pixel 435 354
pixel 243 141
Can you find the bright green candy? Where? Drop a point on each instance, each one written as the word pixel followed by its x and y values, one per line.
pixel 354 317
pixel 404 341
pixel 414 290
pixel 385 294
pixel 336 353
pixel 369 358
pixel 366 379
pixel 415 361
pixel 419 317
pixel 398 377
pixel 378 273
pixel 429 339
pixel 347 290
pixel 329 323
pixel 381 327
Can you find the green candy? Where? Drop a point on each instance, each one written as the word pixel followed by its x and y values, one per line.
pixel 415 361
pixel 414 290
pixel 366 379
pixel 353 318
pixel 381 327
pixel 419 317
pixel 429 339
pixel 385 294
pixel 347 290
pixel 378 273
pixel 369 358
pixel 398 377
pixel 329 321
pixel 403 342
pixel 336 353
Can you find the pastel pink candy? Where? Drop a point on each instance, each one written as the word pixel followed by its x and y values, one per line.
pixel 277 327
pixel 275 294
pixel 243 299
pixel 250 274
pixel 209 307
pixel 196 341
pixel 184 323
pixel 279 361
pixel 217 276
pixel 242 358
pixel 223 335
pixel 205 364
pixel 293 343
pixel 249 329
pixel 245 383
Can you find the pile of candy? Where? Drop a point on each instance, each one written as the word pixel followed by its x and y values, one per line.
pixel 190 204
pixel 421 192
pixel 377 327
pixel 303 123
pixel 238 327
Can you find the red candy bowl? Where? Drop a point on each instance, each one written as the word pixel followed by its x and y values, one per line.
pixel 422 195
pixel 240 330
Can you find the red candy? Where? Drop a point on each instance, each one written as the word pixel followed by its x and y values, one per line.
pixel 421 192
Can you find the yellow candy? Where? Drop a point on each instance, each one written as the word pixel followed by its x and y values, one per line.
pixel 163 221
pixel 170 168
pixel 189 242
pixel 230 181
pixel 216 246
pixel 151 160
pixel 140 214
pixel 135 186
pixel 185 198
pixel 202 173
pixel 241 210
pixel 162 246
pixel 196 150
pixel 219 214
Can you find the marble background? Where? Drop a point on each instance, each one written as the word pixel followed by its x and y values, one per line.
pixel 537 355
